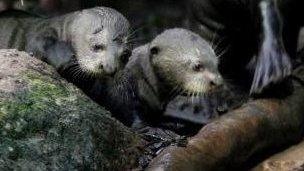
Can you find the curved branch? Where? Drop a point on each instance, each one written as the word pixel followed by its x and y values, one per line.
pixel 233 138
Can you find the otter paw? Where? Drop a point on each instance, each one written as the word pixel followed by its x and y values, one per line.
pixel 159 138
pixel 273 65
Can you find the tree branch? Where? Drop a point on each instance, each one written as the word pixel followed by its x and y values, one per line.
pixel 235 137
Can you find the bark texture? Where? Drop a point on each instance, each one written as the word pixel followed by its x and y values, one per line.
pixel 233 138
pixel 291 159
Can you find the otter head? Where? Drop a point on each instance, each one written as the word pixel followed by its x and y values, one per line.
pixel 99 39
pixel 184 62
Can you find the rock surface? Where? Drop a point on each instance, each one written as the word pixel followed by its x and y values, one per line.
pixel 48 124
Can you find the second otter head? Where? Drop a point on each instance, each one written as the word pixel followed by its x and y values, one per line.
pixel 99 39
pixel 185 62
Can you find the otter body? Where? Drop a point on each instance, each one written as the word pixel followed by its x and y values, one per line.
pixel 177 62
pixel 255 37
pixel 14 27
pixel 82 46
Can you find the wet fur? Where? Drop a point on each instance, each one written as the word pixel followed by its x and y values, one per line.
pixel 133 91
pixel 61 41
pixel 143 89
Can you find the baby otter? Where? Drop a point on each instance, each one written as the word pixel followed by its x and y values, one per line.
pixel 176 62
pixel 82 46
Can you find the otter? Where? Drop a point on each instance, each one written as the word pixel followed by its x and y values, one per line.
pixel 176 62
pixel 82 45
pixel 257 39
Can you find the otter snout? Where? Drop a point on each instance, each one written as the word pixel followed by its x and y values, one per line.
pixel 109 69
pixel 111 61
pixel 215 80
pixel 115 59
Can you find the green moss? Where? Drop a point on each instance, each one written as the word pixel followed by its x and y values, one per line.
pixel 43 96
pixel 2 114
pixel 52 120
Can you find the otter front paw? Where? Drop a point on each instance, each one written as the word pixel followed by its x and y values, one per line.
pixel 273 65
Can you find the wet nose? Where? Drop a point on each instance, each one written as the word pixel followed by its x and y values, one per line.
pixel 100 67
pixel 217 81
pixel 110 70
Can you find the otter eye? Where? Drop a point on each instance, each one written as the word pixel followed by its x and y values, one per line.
pixel 118 39
pixel 98 47
pixel 198 67
pixel 98 30
pixel 154 50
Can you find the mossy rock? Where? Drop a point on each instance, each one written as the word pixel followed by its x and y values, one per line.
pixel 48 124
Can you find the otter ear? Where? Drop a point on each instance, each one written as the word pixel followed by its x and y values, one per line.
pixel 154 50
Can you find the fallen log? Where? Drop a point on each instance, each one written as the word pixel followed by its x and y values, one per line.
pixel 288 160
pixel 235 137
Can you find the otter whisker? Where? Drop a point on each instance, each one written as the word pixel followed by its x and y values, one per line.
pixel 73 74
pixel 83 75
pixel 213 39
pixel 76 74
pixel 135 31
pixel 131 41
pixel 72 70
pixel 79 73
pixel 219 42
pixel 93 75
pixel 223 52
pixel 72 65
pixel 175 91
pixel 192 99
pixel 135 40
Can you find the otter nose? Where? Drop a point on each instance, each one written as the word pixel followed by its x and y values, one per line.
pixel 217 81
pixel 110 70
pixel 100 67
pixel 213 79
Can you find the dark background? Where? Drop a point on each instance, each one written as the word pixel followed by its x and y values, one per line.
pixel 147 17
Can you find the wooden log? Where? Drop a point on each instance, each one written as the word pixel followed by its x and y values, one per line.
pixel 289 160
pixel 232 139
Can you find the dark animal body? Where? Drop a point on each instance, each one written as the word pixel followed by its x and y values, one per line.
pixel 82 45
pixel 256 38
